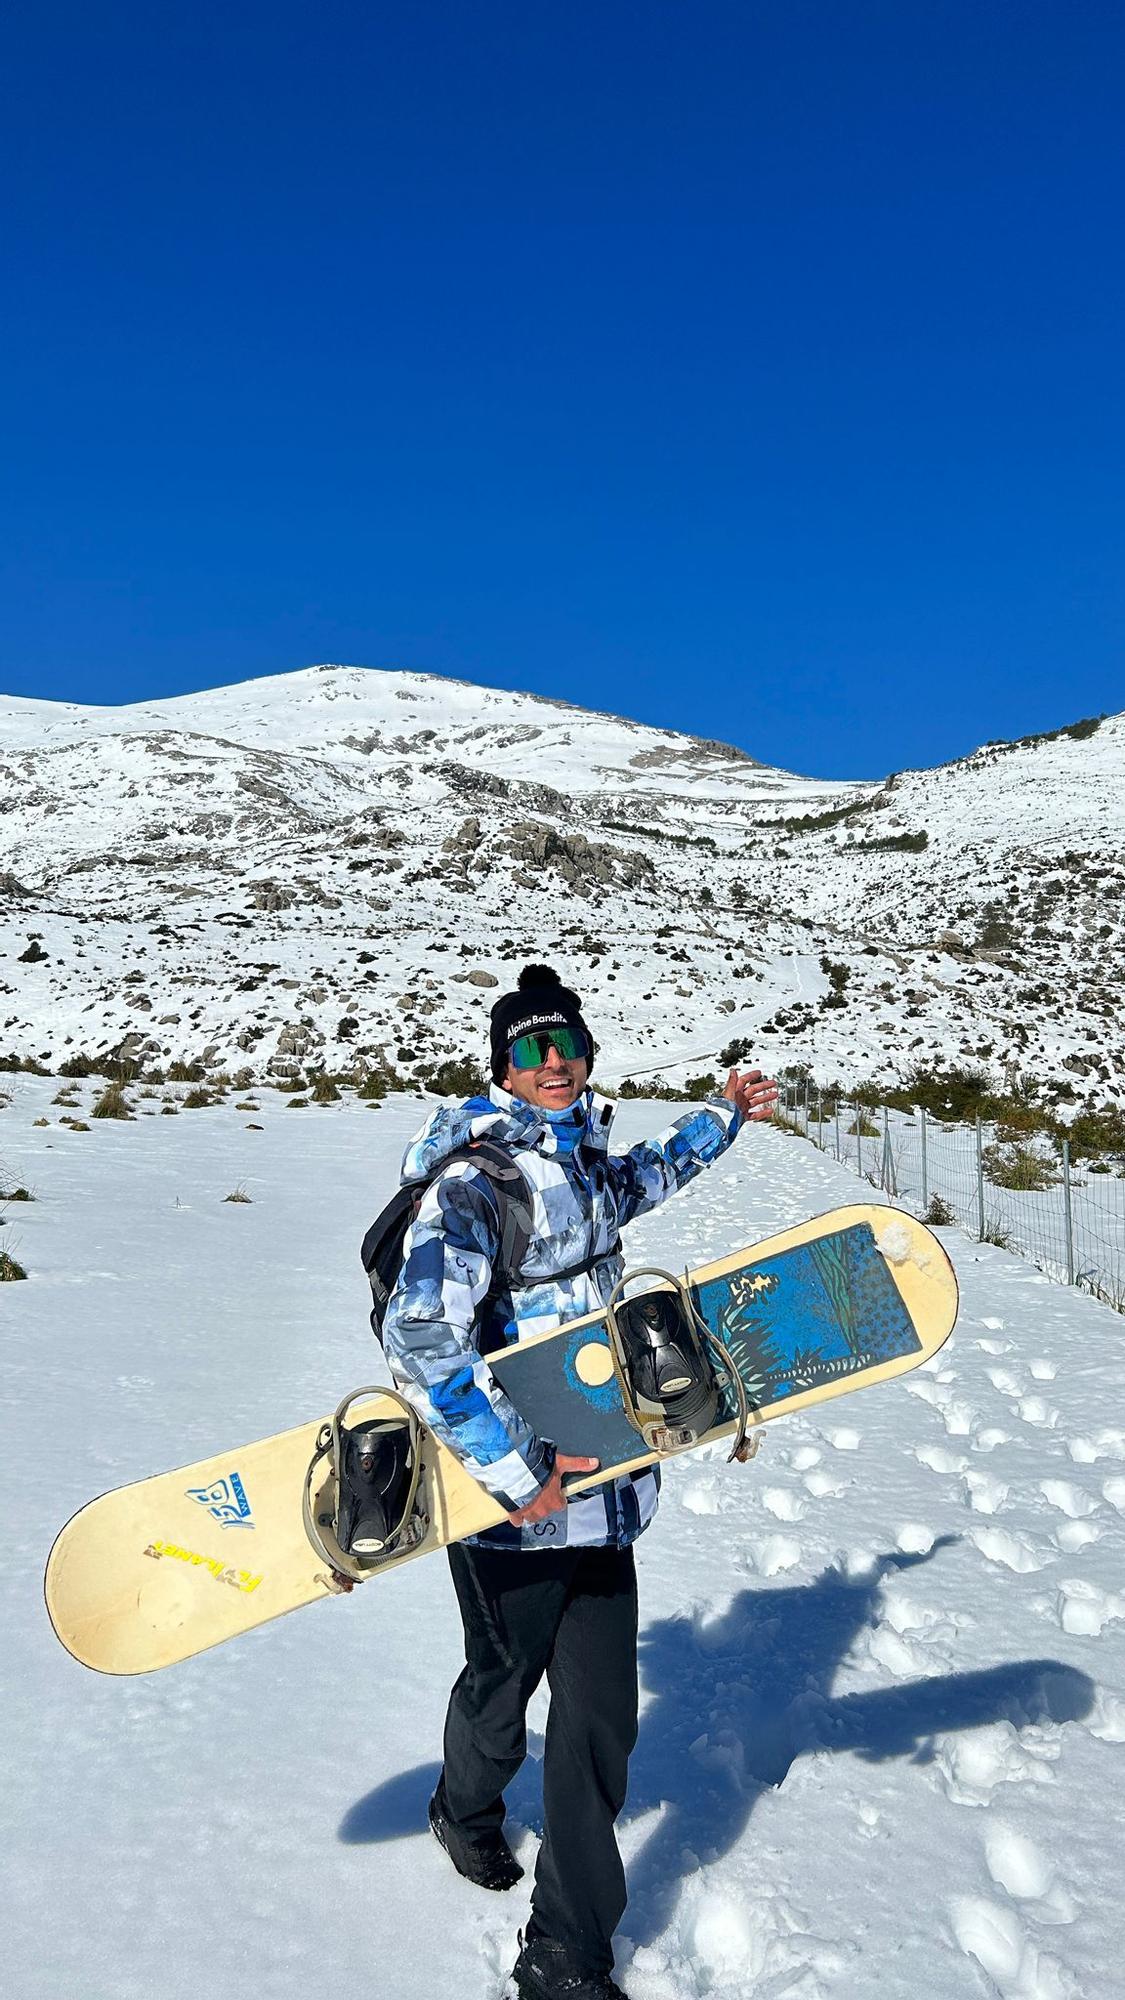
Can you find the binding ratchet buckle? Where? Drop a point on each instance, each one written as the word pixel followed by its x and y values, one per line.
pixel 678 1379
pixel 367 1504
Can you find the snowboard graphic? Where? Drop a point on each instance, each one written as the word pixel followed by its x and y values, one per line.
pixel 158 1571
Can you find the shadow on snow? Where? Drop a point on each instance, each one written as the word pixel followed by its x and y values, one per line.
pixel 734 1701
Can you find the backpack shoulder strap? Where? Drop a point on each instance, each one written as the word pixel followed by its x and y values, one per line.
pixel 513 1202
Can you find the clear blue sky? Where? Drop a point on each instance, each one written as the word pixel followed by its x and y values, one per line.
pixel 756 369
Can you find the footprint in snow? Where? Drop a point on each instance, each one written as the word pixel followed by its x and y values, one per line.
pixel 994 1935
pixel 1114 1491
pixel 1033 1410
pixel 844 1439
pixel 1083 1609
pixel 1007 1550
pixel 1107 1718
pixel 775 1553
pixel 984 1494
pixel 971 1767
pixel 804 1458
pixel 960 1418
pixel 915 1539
pixel 1068 1498
pixel 1024 1872
pixel 937 1459
pixel 782 1503
pixel 987 1440
pixel 1073 1536
pixel 1104 1444
pixel 822 1486
pixel 994 1346
pixel 1005 1380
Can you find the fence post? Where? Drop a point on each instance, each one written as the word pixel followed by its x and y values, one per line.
pixel 806 1107
pixel 858 1141
pixel 890 1178
pixel 820 1120
pixel 1069 1213
pixel 837 1128
pixel 980 1181
pixel 925 1172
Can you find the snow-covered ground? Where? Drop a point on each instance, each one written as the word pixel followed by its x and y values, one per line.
pixel 884 1666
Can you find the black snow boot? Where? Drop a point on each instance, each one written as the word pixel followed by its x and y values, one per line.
pixel 488 1860
pixel 545 1970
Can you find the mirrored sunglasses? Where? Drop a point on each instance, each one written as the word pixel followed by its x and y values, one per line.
pixel 530 1051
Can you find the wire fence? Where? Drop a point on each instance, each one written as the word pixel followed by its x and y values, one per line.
pixel 1066 1217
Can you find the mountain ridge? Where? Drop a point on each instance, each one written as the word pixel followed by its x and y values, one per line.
pixel 153 858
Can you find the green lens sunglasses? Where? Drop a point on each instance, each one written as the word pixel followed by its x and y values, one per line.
pixel 530 1052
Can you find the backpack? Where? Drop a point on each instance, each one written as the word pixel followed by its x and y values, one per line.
pixel 382 1246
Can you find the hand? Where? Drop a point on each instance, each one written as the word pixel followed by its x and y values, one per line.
pixel 552 1496
pixel 754 1094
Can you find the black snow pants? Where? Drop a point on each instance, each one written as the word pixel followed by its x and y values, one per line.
pixel 571 1614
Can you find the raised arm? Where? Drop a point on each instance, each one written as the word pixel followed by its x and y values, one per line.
pixel 648 1173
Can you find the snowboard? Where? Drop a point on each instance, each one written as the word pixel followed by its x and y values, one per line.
pixel 158 1571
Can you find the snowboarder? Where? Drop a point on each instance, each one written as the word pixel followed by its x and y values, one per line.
pixel 552 1590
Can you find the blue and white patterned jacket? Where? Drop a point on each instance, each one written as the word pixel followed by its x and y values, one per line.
pixel 434 1331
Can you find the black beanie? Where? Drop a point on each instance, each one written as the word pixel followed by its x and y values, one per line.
pixel 540 1001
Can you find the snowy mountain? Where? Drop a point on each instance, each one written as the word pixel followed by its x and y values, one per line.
pixel 341 864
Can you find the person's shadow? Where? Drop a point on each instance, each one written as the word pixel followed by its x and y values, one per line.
pixel 734 1703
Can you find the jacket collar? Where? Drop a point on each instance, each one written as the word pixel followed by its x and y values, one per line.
pixel 594 1114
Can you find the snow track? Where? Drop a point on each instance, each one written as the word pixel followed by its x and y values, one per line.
pixel 883 1667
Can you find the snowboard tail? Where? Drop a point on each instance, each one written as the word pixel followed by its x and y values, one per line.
pixel 155 1572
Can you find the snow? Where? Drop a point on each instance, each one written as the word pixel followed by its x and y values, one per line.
pixel 231 876
pixel 883 1666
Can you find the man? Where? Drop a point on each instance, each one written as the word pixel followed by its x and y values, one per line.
pixel 551 1590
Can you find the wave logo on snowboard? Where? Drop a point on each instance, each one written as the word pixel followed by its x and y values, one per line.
pixel 225 1500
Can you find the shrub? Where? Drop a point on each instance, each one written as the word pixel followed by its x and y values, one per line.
pixel 182 1072
pixel 1019 1168
pixel 939 1214
pixel 112 1103
pixel 735 1052
pixel 196 1100
pixel 324 1090
pixel 1094 1132
pixel 10 1271
pixel 894 843
pixel 78 1066
pixel 864 1128
pixel 997 1233
pixel 16 1194
pixel 238 1194
pixel 459 1077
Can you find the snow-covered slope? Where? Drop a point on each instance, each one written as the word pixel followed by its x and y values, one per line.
pixel 340 863
pixel 883 1667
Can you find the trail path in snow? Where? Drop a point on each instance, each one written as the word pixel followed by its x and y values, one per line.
pixel 883 1667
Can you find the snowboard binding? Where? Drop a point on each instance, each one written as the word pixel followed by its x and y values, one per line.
pixel 676 1374
pixel 368 1506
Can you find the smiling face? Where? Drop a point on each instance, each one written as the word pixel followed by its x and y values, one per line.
pixel 554 1086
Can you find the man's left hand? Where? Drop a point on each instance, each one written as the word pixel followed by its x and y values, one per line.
pixel 754 1095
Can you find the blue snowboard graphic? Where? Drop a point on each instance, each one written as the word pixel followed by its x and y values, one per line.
pixel 822 1311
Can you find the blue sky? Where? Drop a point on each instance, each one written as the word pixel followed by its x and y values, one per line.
pixel 755 369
